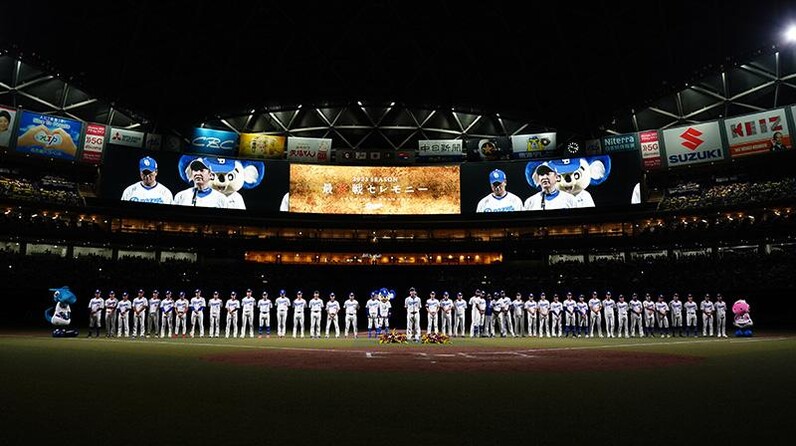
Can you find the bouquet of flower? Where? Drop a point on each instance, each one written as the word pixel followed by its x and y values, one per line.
pixel 392 338
pixel 435 338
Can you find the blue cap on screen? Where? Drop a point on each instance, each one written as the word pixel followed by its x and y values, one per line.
pixel 565 165
pixel 546 168
pixel 147 164
pixel 497 176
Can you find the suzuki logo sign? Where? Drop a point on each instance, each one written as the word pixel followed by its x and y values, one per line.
pixel 691 137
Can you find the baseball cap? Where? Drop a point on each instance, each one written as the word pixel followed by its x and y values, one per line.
pixel 215 293
pixel 545 168
pixel 97 292
pixel 182 293
pixel 282 292
pixel 607 293
pixel 410 289
pixel 351 294
pixel 199 164
pixel 233 294
pixel 497 176
pixel 197 290
pixel 459 293
pixel 331 294
pixel 140 291
pixel 248 290
pixel 168 292
pixel 111 292
pixel 265 293
pixel 445 293
pixel 563 166
pixel 125 294
pixel 147 164
pixel 155 292
pixel 299 292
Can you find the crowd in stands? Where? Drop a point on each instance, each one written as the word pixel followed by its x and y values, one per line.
pixel 720 192
pixel 46 189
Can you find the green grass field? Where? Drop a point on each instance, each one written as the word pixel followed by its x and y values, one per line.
pixel 109 391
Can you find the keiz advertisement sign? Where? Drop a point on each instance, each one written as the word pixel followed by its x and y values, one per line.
pixel 758 133
pixel 94 143
pixel 695 144
pixel 650 150
pixel 309 150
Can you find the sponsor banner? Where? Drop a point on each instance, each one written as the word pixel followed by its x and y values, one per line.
pixel 620 143
pixel 129 138
pixel 93 143
pixel 374 190
pixel 214 142
pixel 650 150
pixel 593 147
pixel 694 144
pixel 309 150
pixel 488 149
pixel 153 141
pixel 440 149
pixel 538 145
pixel 260 145
pixel 49 136
pixel 758 133
pixel 387 156
pixel 7 117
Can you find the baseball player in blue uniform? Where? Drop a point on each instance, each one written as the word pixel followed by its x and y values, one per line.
pixel 500 200
pixel 264 305
pixel 95 307
pixel 148 190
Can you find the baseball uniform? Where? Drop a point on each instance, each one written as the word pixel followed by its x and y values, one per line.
pixel 232 306
pixel 412 304
pixel 316 313
pixel 372 310
pixel 264 305
pixel 583 316
pixel 708 309
pixel 570 310
pixel 476 315
pixel 622 308
pixel 215 315
pixel 721 318
pixel 460 309
pixel 282 304
pixel 153 317
pixel 609 305
pixel 123 308
pixel 198 305
pixel 145 194
pixel 110 314
pixel 595 320
pixel 531 309
pixel 543 308
pixel 636 317
pixel 332 309
pixel 446 305
pixel 518 311
pixel 432 307
pixel 676 308
pixel 95 307
pixel 662 317
pixel 351 308
pixel 385 308
pixel 247 314
pixel 166 319
pixel 690 316
pixel 181 307
pixel 556 312
pixel 649 315
pixel 299 304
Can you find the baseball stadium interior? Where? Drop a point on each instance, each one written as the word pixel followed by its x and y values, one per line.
pixel 385 155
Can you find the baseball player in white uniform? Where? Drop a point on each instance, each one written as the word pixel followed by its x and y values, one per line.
pixel 148 190
pixel 622 311
pixel 500 200
pixel 690 315
pixel 596 306
pixel 676 308
pixel 721 317
pixel 708 309
pixel 412 304
pixel 583 316
pixel 570 309
pixel 460 309
pixel 153 318
pixel 489 316
pixel 505 311
pixel 662 316
pixel 476 314
pixel 446 305
pixel 232 306
pixel 299 304
pixel 372 310
pixel 649 315
pixel 110 314
pixel 123 308
pixel 385 309
pixel 332 308
pixel 198 305
pixel 556 312
pixel 608 312
pixel 531 309
pixel 140 304
pixel 543 307
pixel 636 316
pixel 282 304
pixel 247 314
pixel 166 319
pixel 432 308
pixel 264 305
pixel 518 310
pixel 215 315
pixel 181 307
pixel 351 309
pixel 316 312
pixel 95 307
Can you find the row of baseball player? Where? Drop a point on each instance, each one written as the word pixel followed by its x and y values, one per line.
pixel 490 316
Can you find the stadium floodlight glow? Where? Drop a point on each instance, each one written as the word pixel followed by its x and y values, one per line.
pixel 790 34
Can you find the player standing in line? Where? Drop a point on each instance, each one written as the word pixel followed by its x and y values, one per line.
pixel 662 316
pixel 595 305
pixel 636 316
pixel 123 308
pixel 385 310
pixel 351 308
pixel 95 307
pixel 282 304
pixel 299 304
pixel 649 315
pixel 498 315
pixel 110 314
pixel 707 308
pixel 483 306
pixel 460 306
pixel 475 314
pixel 531 311
pixel 622 310
pixel 432 307
pixel 372 310
pixel 316 311
pixel 518 310
pixel 608 311
pixel 690 315
pixel 148 190
pixel 721 317
pixel 505 311
pixel 676 308
pixel 247 314
pixel 583 316
pixel 140 304
pixel 569 315
pixel 181 306
pixel 215 315
pixel 198 305
pixel 166 309
pixel 264 305
pixel 556 309
pixel 446 304
pixel 232 306
pixel 500 200
pixel 153 318
pixel 332 308
pixel 544 315
pixel 489 312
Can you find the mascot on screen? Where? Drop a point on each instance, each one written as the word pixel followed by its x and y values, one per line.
pixel 575 175
pixel 61 314
pixel 743 318
pixel 229 176
pixel 384 297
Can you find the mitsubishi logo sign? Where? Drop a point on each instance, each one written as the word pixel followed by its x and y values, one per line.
pixel 691 139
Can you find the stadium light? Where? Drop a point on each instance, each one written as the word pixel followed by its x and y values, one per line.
pixel 790 34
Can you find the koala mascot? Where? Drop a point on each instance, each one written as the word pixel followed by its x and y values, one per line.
pixel 61 314
pixel 229 176
pixel 575 175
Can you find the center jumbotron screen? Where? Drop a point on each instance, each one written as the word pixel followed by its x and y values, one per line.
pixel 374 190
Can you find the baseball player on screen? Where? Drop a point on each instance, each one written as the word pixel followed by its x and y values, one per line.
pixel 676 307
pixel 432 309
pixel 549 197
pixel 299 304
pixel 570 308
pixel 460 308
pixel 708 309
pixel 596 306
pixel 544 315
pixel 264 305
pixel 476 314
pixel 153 318
pixel 500 200
pixel 140 304
pixel 690 315
pixel 232 306
pixel 372 310
pixel 721 317
pixel 351 308
pixel 95 307
pixel 181 307
pixel 198 305
pixel 110 314
pixel 636 316
pixel 166 320
pixel 608 312
pixel 622 311
pixel 148 190
pixel 282 304
pixel 662 316
pixel 316 312
pixel 531 309
pixel 556 311
pixel 447 314
pixel 518 310
pixel 332 308
pixel 123 309
pixel 247 314
pixel 201 193
pixel 583 316
pixel 412 304
pixel 215 315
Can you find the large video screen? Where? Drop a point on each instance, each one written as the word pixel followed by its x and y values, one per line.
pixel 50 136
pixel 142 176
pixel 374 190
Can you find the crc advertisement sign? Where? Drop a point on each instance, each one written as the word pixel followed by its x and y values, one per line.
pixel 650 150
pixel 49 136
pixel 309 150
pixel 94 143
pixel 758 133
pixel 214 142
pixel 694 144
pixel 129 138
pixel 441 148
pixel 260 145
pixel 533 146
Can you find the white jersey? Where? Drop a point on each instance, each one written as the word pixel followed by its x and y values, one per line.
pixel 232 305
pixel 333 307
pixel 474 301
pixel 373 307
pixel 154 305
pixel 556 308
pixel 530 306
pixel 198 303
pixel 649 306
pixel 706 306
pixel 384 308
pixel 316 305
pixel 215 306
pixel 721 308
pixel 446 305
pixel 505 304
pixel 235 201
pixel 181 305
pixel 282 303
pixel 621 308
pixel 124 306
pixel 583 308
pixel 661 307
pixel 156 194
pixel 208 198
pixel 595 304
pixel 412 304
pixel 519 307
pixel 609 305
pixel 506 203
pixel 351 306
pixel 110 304
pixel 570 305
pixel 298 305
pixel 264 305
pixel 432 305
pixel 167 306
pixel 636 306
pixel 556 200
pixel 96 304
pixel 247 303
pixel 690 307
pixel 544 306
pixel 676 306
pixel 140 303
pixel 461 306
pixel 584 200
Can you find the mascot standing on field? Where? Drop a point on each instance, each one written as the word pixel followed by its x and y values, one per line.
pixel 61 314
pixel 743 320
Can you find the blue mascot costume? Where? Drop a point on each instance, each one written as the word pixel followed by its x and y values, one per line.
pixel 61 314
